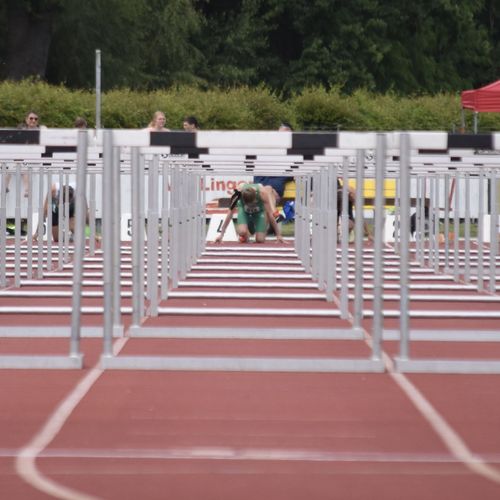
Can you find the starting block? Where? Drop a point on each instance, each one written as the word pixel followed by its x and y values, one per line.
pixel 215 226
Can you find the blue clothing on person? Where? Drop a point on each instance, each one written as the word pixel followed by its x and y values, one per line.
pixel 277 183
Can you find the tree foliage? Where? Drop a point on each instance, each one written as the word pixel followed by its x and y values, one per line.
pixel 399 46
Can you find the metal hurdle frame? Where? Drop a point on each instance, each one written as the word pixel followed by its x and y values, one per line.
pixel 317 216
pixel 74 359
pixel 47 260
pixel 404 362
pixel 329 156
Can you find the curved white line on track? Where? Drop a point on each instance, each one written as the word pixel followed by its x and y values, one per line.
pixel 442 428
pixel 26 458
pixel 450 438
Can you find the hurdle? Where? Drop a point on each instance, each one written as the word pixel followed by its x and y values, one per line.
pixel 74 359
pixel 164 174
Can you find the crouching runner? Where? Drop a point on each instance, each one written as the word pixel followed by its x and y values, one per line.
pixel 255 205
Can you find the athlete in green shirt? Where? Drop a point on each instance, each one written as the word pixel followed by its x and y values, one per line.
pixel 255 204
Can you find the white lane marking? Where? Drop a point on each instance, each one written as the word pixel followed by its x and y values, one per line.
pixel 259 454
pixel 451 439
pixel 25 463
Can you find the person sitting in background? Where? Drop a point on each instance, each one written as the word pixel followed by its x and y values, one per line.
pixel 277 183
pixel 68 196
pixel 351 201
pixel 190 124
pixel 254 205
pixel 157 123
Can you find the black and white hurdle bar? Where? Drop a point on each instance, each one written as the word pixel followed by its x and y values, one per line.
pixel 314 149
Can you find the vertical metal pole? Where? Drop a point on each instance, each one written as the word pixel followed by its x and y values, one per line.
pixel 107 241
pixel 296 242
pixel 418 223
pixel 493 230
pixel 175 234
pixel 137 295
pixel 299 218
pixel 116 241
pixel 432 235
pixel 335 207
pixel 446 223
pixel 436 224
pixel 66 235
pixel 49 221
pixel 3 226
pixel 306 245
pixel 17 239
pixel 323 256
pixel 378 277
pixel 344 291
pixel 153 216
pixel 315 226
pixel 79 245
pixel 456 229
pixel 203 211
pixel 41 217
pixel 404 232
pixel 397 212
pixel 60 232
pixel 165 233
pixel 142 222
pixel 480 233
pixel 331 235
pixel 467 230
pixel 97 89
pixel 92 206
pixel 358 240
pixel 29 234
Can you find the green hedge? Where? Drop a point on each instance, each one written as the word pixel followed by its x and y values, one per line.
pixel 239 108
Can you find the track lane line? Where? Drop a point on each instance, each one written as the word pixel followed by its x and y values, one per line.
pixel 25 463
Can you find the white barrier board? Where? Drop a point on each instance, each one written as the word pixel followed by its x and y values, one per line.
pixel 487 227
pixel 215 226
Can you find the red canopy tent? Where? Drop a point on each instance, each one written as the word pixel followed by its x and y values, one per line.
pixel 485 99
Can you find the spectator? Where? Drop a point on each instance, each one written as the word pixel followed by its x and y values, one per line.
pixel 190 124
pixel 157 124
pixel 30 123
pixel 80 122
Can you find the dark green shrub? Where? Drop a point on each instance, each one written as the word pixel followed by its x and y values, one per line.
pixel 240 108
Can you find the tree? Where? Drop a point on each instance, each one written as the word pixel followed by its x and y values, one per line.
pixel 114 27
pixel 379 45
pixel 144 44
pixel 171 37
pixel 235 43
pixel 29 33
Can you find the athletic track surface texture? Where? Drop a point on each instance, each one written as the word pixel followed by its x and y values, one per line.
pixel 157 434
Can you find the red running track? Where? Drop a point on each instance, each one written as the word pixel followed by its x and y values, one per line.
pixel 226 435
